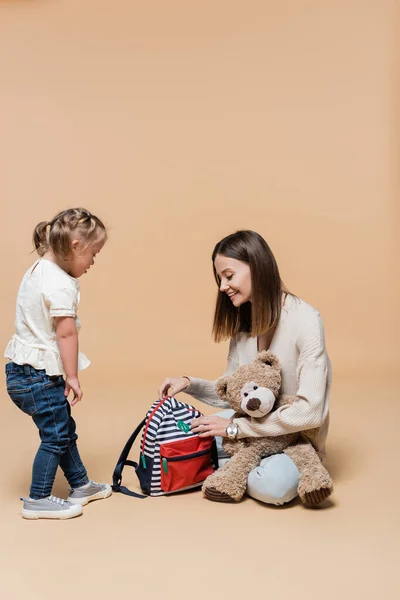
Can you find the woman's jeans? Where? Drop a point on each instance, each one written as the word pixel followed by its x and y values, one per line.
pixel 275 481
pixel 42 398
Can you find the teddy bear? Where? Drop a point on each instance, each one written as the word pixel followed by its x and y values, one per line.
pixel 253 390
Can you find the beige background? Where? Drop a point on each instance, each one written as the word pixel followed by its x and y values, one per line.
pixel 177 123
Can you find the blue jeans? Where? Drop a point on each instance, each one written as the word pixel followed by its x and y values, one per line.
pixel 42 398
pixel 274 481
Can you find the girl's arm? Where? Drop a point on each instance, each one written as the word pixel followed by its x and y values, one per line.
pixel 67 340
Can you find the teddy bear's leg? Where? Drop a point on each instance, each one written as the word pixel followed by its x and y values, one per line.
pixel 231 447
pixel 229 483
pixel 315 483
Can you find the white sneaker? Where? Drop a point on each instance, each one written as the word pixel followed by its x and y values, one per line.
pixel 88 492
pixel 49 508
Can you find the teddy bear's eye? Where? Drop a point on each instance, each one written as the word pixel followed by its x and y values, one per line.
pixel 255 387
pixel 245 394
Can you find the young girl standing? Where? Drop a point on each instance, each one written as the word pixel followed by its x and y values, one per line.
pixel 45 360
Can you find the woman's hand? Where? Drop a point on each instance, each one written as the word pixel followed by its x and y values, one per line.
pixel 172 386
pixel 210 426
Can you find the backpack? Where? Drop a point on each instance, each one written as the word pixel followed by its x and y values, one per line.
pixel 172 458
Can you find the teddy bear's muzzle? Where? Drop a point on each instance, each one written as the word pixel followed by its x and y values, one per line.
pixel 258 402
pixel 253 404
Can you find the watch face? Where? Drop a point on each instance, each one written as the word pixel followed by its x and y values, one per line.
pixel 231 430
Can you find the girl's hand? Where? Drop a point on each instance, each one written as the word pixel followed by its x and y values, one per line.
pixel 72 383
pixel 172 386
pixel 210 426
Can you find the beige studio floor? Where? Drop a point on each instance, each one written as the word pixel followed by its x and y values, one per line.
pixel 177 123
pixel 185 546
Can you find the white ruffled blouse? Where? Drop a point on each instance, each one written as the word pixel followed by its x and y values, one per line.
pixel 46 291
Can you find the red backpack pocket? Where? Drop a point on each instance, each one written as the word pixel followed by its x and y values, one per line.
pixel 185 463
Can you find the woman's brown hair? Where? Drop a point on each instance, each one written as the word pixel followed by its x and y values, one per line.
pixel 263 312
pixel 58 233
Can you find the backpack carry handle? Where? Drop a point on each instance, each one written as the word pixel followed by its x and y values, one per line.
pixel 160 403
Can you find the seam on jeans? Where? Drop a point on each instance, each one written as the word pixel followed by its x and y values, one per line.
pixel 31 381
pixel 56 430
pixel 83 481
pixel 52 411
pixel 45 477
pixel 76 466
pixel 78 470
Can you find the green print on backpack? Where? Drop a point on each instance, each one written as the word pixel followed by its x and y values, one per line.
pixel 183 426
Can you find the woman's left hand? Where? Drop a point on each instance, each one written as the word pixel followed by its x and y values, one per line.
pixel 210 426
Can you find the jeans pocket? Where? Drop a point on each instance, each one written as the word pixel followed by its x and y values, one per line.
pixel 23 398
pixel 53 381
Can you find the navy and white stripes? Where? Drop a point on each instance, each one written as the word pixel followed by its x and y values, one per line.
pixel 162 427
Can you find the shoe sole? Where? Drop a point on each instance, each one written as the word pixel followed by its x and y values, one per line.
pixel 99 496
pixel 48 514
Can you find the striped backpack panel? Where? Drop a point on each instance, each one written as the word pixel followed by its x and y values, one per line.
pixel 172 458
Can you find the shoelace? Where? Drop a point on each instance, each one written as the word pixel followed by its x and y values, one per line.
pixel 56 500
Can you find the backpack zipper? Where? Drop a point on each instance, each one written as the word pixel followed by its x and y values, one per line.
pixel 165 461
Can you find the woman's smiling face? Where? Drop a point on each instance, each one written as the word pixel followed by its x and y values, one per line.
pixel 235 279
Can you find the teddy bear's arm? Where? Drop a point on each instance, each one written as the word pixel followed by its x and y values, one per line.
pixel 284 400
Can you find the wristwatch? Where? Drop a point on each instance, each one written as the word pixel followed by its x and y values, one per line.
pixel 232 430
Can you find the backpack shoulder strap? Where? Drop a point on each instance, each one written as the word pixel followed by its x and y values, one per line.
pixel 122 462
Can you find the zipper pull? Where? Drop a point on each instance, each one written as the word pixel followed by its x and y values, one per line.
pixel 144 465
pixel 165 465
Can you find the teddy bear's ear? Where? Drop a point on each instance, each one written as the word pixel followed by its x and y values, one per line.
pixel 267 358
pixel 221 387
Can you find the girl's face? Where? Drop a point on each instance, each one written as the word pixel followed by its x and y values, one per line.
pixel 235 279
pixel 82 257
